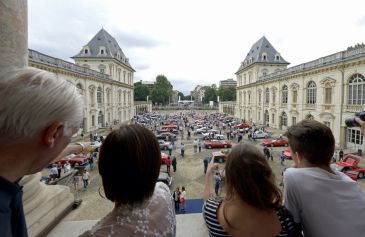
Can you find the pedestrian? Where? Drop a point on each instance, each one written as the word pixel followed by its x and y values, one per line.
pixel 282 159
pixel 168 164
pixel 266 152
pixel 59 169
pixel 174 163
pixel 189 134
pixel 195 145
pixel 76 182
pixel 66 167
pixel 182 149
pixel 271 154
pixel 91 161
pixel 182 199
pixel 54 172
pixel 200 146
pixel 176 197
pixel 239 138
pixel 340 155
pixel 85 178
pixel 205 162
pixel 169 147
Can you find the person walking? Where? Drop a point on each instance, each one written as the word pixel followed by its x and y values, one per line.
pixel 195 145
pixel 340 155
pixel 206 161
pixel 59 169
pixel 168 164
pixel 182 199
pixel 176 198
pixel 76 182
pixel 169 147
pixel 182 149
pixel 85 179
pixel 200 146
pixel 174 163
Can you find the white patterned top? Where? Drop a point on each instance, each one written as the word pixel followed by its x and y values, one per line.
pixel 154 217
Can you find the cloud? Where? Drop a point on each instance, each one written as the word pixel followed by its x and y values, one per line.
pixel 361 21
pixel 136 39
pixel 141 66
pixel 185 86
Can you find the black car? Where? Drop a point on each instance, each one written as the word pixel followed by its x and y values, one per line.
pixel 164 136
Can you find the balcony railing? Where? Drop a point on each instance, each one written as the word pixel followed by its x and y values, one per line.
pixel 355 108
pixel 320 62
pixel 283 105
pixel 37 57
pixel 310 106
pixel 328 108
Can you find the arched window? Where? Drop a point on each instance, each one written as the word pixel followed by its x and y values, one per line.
pixel 284 119
pixel 328 93
pixel 284 94
pixel 99 95
pixel 259 97
pixel 79 88
pixel 264 72
pixel 356 90
pixel 311 93
pixel 100 118
pixel 267 96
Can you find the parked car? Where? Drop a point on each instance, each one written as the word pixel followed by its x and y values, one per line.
pixel 163 136
pixel 165 178
pixel 78 160
pixel 201 130
pixel 243 125
pixel 169 126
pixel 350 166
pixel 207 136
pixel 260 134
pixel 217 144
pixel 164 145
pixel 276 142
pixel 164 157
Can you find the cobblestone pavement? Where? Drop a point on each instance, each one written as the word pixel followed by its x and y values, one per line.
pixel 190 173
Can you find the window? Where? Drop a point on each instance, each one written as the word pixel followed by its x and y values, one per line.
pixel 249 77
pixel 356 90
pixel 99 95
pixel 102 70
pixel 295 96
pixel 244 77
pixel 272 118
pixel 259 115
pixel 284 119
pixel 86 51
pixel 328 124
pixel 267 117
pixel 328 95
pixel 100 118
pixel 311 93
pixel 273 96
pixel 264 57
pixel 264 72
pixel 102 51
pixel 267 96
pixel 293 120
pixel 277 57
pixel 259 97
pixel 93 120
pixel 249 98
pixel 284 95
pixel 354 136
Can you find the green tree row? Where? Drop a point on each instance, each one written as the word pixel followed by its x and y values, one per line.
pixel 226 93
pixel 161 92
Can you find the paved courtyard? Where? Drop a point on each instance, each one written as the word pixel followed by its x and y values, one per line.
pixel 190 173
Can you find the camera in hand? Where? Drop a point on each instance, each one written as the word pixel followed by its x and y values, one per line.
pixel 351 122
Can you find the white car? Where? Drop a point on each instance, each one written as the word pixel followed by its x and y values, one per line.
pixel 260 134
pixel 164 145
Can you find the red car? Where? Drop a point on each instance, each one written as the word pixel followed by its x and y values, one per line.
pixel 276 142
pixel 164 157
pixel 243 125
pixel 169 127
pixel 76 160
pixel 217 144
pixel 350 166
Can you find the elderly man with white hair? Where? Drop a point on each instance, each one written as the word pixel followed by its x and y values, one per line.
pixel 39 113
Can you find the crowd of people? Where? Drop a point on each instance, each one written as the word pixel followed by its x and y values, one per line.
pixel 41 112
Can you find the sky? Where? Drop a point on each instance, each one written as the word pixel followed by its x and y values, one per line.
pixel 196 42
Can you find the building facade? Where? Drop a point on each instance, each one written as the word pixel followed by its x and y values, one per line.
pixel 198 93
pixel 329 89
pixel 228 82
pixel 103 76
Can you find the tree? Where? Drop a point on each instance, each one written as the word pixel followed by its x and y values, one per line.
pixel 162 90
pixel 210 94
pixel 140 92
pixel 227 93
pixel 180 95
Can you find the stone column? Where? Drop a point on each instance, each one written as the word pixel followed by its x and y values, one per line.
pixel 43 205
pixel 13 34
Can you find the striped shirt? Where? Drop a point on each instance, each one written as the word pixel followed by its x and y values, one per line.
pixel 210 208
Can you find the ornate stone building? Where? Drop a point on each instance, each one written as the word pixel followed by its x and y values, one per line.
pixel 329 89
pixel 103 75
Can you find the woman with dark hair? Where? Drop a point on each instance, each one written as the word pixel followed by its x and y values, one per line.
pixel 253 203
pixel 129 165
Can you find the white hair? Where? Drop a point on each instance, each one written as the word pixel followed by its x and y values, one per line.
pixel 33 99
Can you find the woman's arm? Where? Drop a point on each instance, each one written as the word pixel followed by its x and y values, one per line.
pixel 208 189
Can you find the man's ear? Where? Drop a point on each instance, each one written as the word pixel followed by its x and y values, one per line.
pixel 54 131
